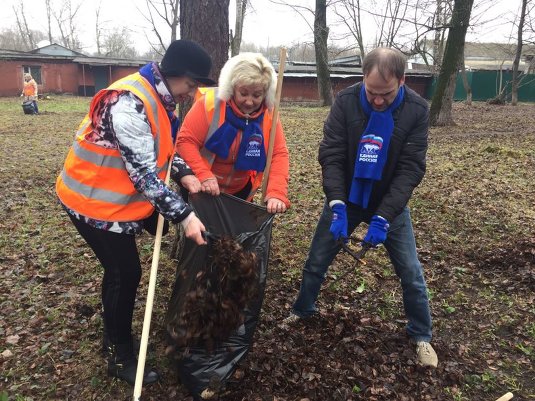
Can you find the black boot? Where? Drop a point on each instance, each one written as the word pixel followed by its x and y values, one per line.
pixel 106 344
pixel 122 364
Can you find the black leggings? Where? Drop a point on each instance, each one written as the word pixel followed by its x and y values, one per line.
pixel 122 272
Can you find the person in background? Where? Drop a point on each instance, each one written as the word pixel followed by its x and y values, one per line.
pixel 112 183
pixel 372 157
pixel 29 91
pixel 225 135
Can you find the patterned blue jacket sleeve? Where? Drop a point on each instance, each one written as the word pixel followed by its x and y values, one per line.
pixel 179 169
pixel 132 131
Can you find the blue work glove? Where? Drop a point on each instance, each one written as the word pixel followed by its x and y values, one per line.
pixel 377 231
pixel 339 223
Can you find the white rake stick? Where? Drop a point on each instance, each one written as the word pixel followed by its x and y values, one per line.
pixel 150 299
pixel 505 397
pixel 282 63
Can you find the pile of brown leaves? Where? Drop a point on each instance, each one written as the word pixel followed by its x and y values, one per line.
pixel 214 306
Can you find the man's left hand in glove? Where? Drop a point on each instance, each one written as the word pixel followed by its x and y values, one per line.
pixel 377 231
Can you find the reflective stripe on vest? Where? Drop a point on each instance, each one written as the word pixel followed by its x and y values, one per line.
pixel 98 193
pixel 112 161
pixel 94 181
pixel 210 97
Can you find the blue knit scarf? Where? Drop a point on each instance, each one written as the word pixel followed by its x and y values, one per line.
pixel 152 74
pixel 251 154
pixel 372 151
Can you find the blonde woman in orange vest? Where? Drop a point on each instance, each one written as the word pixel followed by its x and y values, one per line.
pixel 113 182
pixel 224 136
pixel 29 91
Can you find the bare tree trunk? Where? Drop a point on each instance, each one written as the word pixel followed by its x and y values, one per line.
pixel 175 6
pixel 501 89
pixel 98 29
pixel 24 29
pixel 21 30
pixel 28 30
pixel 440 113
pixel 64 38
pixel 206 22
pixel 439 38
pixel 49 20
pixel 235 40
pixel 466 85
pixel 73 27
pixel 321 33
pixel 516 62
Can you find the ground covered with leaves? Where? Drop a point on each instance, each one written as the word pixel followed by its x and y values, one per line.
pixel 474 218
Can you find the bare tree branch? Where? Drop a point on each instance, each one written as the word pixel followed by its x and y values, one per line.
pixel 22 24
pixel 236 37
pixel 301 10
pixel 168 11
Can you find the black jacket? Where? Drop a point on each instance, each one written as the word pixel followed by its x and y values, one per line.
pixel 405 166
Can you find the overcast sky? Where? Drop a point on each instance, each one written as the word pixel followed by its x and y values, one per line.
pixel 265 23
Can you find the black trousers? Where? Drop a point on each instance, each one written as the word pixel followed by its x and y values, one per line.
pixel 122 273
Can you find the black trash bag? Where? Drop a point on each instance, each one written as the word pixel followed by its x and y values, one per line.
pixel 205 366
pixel 29 107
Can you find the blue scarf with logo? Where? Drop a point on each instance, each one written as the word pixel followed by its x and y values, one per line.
pixel 251 154
pixel 152 74
pixel 373 148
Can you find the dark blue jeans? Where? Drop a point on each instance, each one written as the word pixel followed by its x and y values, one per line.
pixel 401 247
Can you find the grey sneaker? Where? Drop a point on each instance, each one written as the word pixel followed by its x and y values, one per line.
pixel 426 355
pixel 290 321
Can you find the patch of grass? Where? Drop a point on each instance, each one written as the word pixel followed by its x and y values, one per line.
pixel 530 330
pixel 447 307
pixel 526 349
pixel 455 394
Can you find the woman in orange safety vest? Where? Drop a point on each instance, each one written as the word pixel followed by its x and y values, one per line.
pixel 29 91
pixel 224 137
pixel 112 183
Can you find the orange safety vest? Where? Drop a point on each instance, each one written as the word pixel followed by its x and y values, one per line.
pixel 29 88
pixel 215 115
pixel 94 181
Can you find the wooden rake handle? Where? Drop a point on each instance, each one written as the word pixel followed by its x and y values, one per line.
pixel 150 298
pixel 273 131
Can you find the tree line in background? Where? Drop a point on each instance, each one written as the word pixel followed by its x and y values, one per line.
pixel 430 30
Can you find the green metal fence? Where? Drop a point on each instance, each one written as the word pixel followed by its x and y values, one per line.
pixel 487 84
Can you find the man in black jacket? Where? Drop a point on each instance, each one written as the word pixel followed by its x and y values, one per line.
pixel 372 157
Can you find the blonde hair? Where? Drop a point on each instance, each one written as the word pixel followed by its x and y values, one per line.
pixel 27 75
pixel 248 69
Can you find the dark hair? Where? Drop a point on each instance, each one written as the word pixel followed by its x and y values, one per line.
pixel 389 62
